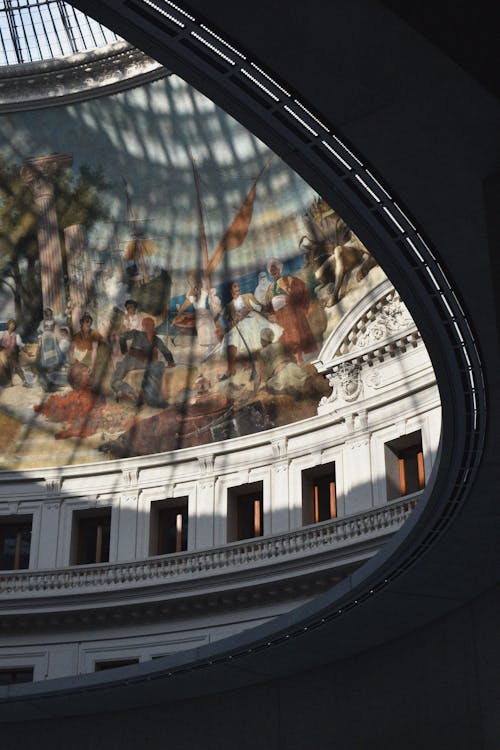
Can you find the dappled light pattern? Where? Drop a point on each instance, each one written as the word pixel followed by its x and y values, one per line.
pixel 165 281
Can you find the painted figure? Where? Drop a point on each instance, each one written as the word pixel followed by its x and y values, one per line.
pixel 287 299
pixel 203 317
pixel 11 345
pixel 64 344
pixel 277 370
pixel 261 288
pixel 245 323
pixel 48 355
pixel 88 357
pixel 132 319
pixel 142 355
pixel 49 317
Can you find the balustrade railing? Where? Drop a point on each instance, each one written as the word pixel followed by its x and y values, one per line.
pixel 258 552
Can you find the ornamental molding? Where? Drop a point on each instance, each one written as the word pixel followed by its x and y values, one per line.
pixel 354 445
pixel 87 75
pixel 52 506
pixel 349 381
pixel 361 420
pixel 376 327
pixel 389 317
pixel 129 497
pixel 374 379
pixel 279 447
pixel 346 382
pixel 207 485
pixel 130 476
pixel 53 486
pixel 190 606
pixel 280 467
pixel 102 501
pixel 206 464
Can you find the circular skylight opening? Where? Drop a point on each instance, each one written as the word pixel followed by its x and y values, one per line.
pixel 33 30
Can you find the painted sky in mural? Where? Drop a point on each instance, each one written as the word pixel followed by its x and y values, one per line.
pixel 165 280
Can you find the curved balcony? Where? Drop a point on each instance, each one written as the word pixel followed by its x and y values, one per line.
pixel 293 553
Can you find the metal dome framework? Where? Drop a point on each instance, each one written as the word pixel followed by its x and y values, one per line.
pixel 32 30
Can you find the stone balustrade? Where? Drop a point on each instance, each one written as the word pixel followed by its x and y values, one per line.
pixel 255 553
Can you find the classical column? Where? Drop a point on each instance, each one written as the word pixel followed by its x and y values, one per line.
pixel 79 281
pixel 39 173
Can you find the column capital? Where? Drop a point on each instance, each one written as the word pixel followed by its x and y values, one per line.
pixel 39 172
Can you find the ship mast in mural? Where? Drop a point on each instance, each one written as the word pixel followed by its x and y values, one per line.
pixel 201 295
pixel 235 234
pixel 139 247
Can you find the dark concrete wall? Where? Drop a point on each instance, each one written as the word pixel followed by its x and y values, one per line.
pixel 433 689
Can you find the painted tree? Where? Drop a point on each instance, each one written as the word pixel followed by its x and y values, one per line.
pixel 78 200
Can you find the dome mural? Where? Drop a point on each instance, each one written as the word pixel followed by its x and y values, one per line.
pixel 165 280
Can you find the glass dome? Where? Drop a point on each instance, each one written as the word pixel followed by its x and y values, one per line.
pixel 32 30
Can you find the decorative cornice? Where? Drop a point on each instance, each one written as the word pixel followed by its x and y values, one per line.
pixel 376 326
pixel 260 594
pixel 86 75
pixel 382 329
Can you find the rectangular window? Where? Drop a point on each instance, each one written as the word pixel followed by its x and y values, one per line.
pixel 404 464
pixel 319 494
pixel 245 512
pixel 101 666
pixel 16 675
pixel 15 543
pixel 169 526
pixel 91 536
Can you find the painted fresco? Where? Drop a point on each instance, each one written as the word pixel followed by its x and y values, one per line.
pixel 165 281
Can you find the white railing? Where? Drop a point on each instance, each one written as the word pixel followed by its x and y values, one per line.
pixel 263 551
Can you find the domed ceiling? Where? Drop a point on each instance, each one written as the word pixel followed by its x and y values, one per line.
pixel 33 30
pixel 166 281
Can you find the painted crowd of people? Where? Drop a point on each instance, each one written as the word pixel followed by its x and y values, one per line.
pixel 250 326
pixel 84 360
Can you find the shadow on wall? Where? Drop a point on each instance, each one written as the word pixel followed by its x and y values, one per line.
pixel 134 580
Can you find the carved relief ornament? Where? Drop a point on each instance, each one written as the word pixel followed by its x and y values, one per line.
pixel 390 318
pixel 346 383
pixel 39 173
pixel 130 476
pixel 206 464
pixel 86 75
pixel 53 486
